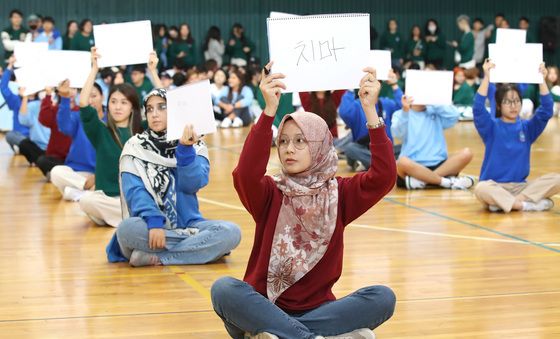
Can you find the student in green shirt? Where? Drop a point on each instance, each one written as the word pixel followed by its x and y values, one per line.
pixel 183 49
pixel 71 31
pixel 416 47
pixel 83 40
pixel 391 40
pixel 524 25
pixel 239 48
pixel 463 93
pixel 465 47
pixel 13 33
pixel 435 44
pixel 103 205
pixel 141 83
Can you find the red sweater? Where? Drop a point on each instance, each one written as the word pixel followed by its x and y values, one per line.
pixel 262 199
pixel 336 97
pixel 59 144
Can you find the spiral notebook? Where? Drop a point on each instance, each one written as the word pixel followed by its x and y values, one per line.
pixel 319 52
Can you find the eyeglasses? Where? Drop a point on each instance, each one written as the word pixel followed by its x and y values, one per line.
pixel 298 141
pixel 508 102
pixel 161 107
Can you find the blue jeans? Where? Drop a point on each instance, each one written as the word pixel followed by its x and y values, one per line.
pixel 341 143
pixel 213 240
pixel 13 138
pixel 355 151
pixel 244 310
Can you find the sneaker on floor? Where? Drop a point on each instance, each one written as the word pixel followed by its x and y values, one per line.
pixel 358 166
pixel 462 183
pixel 140 258
pixel 494 209
pixel 361 333
pixel 541 205
pixel 16 149
pixel 413 183
pixel 72 194
pixel 226 123
pixel 263 335
pixel 237 122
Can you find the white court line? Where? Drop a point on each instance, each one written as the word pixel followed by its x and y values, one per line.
pixel 378 228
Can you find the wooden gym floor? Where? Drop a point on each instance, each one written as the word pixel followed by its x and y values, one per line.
pixel 457 270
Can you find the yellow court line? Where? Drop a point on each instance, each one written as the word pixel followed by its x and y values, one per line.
pixel 436 234
pixel 192 282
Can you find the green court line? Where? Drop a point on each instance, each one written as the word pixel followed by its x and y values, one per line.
pixel 506 235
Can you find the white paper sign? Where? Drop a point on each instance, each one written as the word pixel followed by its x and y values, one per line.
pixel 429 87
pixel 29 53
pixel 319 52
pixel 190 104
pixel 125 43
pixel 275 15
pixel 507 36
pixel 516 64
pixel 61 65
pixel 31 78
pixel 381 60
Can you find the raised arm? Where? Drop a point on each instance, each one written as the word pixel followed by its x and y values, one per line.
pixel 193 168
pixel 482 120
pixel 88 85
pixel 152 68
pixel 67 124
pixel 24 118
pixel 249 179
pixel 47 110
pixel 12 100
pixel 544 112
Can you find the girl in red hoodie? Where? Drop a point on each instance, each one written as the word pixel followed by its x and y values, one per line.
pixel 300 216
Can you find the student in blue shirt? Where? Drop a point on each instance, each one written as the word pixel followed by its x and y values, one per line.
pixel 508 140
pixel 159 181
pixel 423 159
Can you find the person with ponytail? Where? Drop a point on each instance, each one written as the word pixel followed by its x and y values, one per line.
pixel 124 119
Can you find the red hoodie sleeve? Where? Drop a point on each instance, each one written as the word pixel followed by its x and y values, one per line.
pixel 360 192
pixel 47 114
pixel 305 98
pixel 249 177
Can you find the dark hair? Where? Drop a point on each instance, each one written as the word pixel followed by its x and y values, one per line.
pixel 98 87
pixel 389 22
pixel 239 26
pixel 138 68
pixel 500 14
pixel 135 119
pixel 156 30
pixel 68 24
pixel 427 31
pixel 213 33
pixel 412 29
pixel 241 77
pixel 524 18
pixel 49 19
pixel 179 79
pixel 190 39
pixel 173 28
pixel 478 20
pixel 414 65
pixel 107 72
pixel 218 70
pixel 327 111
pixel 83 23
pixel 211 65
pixel 15 11
pixel 501 92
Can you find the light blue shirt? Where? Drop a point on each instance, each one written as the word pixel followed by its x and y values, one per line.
pixel 54 43
pixel 38 133
pixel 422 133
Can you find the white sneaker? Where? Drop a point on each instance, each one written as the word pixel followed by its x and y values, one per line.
pixel 361 333
pixel 263 335
pixel 494 209
pixel 413 183
pixel 72 194
pixel 462 183
pixel 140 258
pixel 541 205
pixel 226 123
pixel 237 122
pixel 358 166
pixel 16 149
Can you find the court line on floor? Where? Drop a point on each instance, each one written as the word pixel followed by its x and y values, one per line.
pixel 192 282
pixel 442 216
pixel 437 234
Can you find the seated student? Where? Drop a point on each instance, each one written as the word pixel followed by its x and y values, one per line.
pixel 351 111
pixel 553 82
pixel 76 176
pixel 6 116
pixel 235 100
pixel 159 182
pixel 103 206
pixel 59 143
pixel 300 216
pixel 508 140
pixel 34 146
pixel 463 94
pixel 324 104
pixel 19 132
pixel 423 159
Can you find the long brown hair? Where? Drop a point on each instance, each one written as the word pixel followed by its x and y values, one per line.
pixel 328 109
pixel 241 78
pixel 135 119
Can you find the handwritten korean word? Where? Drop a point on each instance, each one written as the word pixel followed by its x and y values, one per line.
pixel 316 50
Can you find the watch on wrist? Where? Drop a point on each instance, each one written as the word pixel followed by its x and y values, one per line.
pixel 381 123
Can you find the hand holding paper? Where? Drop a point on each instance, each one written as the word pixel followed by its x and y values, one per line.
pixel 271 88
pixel 189 136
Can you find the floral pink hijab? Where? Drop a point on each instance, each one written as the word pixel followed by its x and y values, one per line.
pixel 307 218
